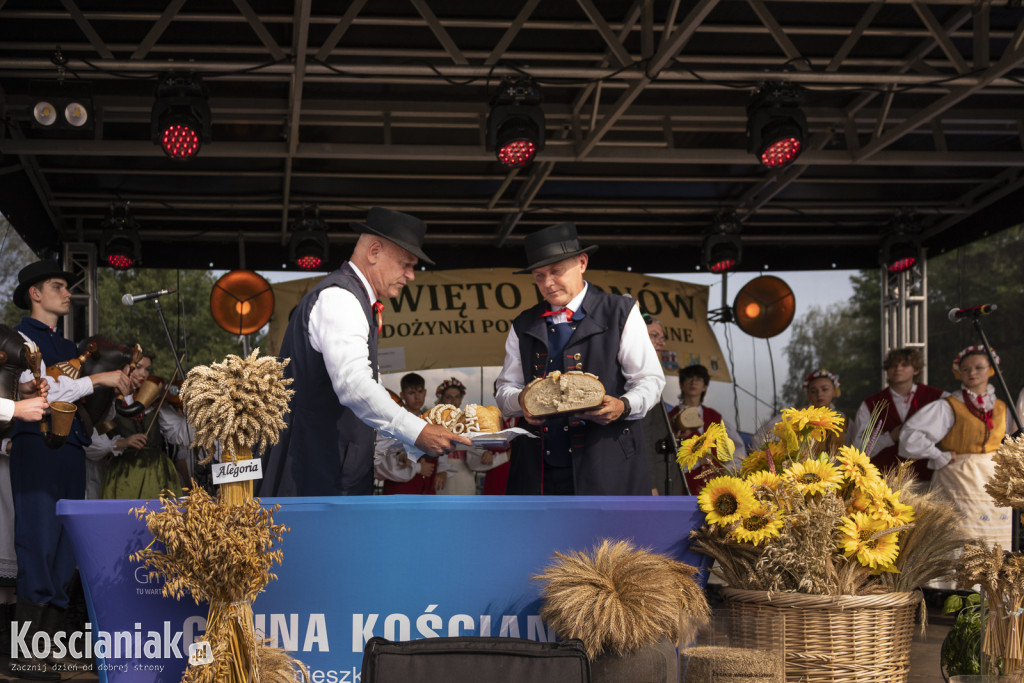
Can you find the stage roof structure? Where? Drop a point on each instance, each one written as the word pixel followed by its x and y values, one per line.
pixel 913 109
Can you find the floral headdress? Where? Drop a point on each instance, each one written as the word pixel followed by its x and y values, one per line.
pixel 448 384
pixel 977 348
pixel 822 373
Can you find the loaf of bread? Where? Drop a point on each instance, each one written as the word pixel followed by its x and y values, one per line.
pixel 563 392
pixel 475 418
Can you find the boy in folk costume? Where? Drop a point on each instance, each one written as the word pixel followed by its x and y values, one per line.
pixel 957 437
pixel 900 400
pixel 391 463
pixel 691 417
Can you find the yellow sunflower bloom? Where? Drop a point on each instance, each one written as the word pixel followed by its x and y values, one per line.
pixel 726 500
pixel 863 536
pixel 814 422
pixel 860 499
pixel 757 527
pixel 764 483
pixel 758 460
pixel 714 441
pixel 790 440
pixel 857 467
pixel 814 476
pixel 888 507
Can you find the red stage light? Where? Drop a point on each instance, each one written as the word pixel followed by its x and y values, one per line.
pixel 781 152
pixel 180 141
pixel 119 261
pixel 900 265
pixel 723 266
pixel 517 153
pixel 308 262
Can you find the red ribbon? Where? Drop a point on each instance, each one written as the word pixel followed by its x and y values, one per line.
pixel 985 416
pixel 378 309
pixel 567 311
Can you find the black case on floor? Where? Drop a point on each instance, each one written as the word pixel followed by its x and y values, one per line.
pixel 472 660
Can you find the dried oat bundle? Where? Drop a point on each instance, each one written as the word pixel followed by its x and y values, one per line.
pixel 221 553
pixel 240 403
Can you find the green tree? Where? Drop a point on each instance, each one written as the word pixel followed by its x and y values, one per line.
pixel 192 326
pixel 14 256
pixel 986 271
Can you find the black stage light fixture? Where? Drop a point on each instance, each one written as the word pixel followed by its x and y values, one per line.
pixel 62 109
pixel 722 248
pixel 776 126
pixel 121 246
pixel 180 120
pixel 309 246
pixel 515 126
pixel 901 244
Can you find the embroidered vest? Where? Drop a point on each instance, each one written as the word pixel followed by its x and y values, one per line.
pixel 968 434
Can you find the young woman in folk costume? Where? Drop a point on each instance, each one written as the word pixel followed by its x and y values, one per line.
pixel 460 480
pixel 691 417
pixel 822 389
pixel 958 436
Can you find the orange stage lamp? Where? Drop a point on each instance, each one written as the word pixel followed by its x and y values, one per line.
pixel 764 307
pixel 242 301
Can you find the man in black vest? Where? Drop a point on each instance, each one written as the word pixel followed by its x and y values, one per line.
pixel 332 343
pixel 600 452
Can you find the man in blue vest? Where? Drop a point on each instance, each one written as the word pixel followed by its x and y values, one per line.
pixel 40 475
pixel 578 327
pixel 332 343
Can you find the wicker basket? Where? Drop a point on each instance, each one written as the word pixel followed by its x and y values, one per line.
pixel 833 638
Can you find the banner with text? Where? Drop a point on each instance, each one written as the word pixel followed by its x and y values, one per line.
pixel 460 318
pixel 355 567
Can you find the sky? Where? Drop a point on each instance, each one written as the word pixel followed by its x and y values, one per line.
pixel 753 365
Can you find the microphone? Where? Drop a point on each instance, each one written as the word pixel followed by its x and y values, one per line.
pixel 958 314
pixel 130 299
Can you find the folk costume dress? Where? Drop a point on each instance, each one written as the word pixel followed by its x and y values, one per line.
pixel 972 426
pixel 140 472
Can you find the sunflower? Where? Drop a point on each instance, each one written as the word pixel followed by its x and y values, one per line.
pixel 714 440
pixel 757 461
pixel 764 483
pixel 758 526
pixel 863 536
pixel 814 422
pixel 860 499
pixel 814 476
pixel 726 500
pixel 888 507
pixel 857 466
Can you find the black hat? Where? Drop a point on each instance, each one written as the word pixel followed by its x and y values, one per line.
pixel 33 274
pixel 404 230
pixel 551 245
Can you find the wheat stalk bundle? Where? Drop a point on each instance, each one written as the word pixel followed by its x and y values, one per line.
pixel 221 551
pixel 618 599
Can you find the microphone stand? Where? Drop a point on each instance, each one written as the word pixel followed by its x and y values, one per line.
pixel 1012 406
pixel 177 362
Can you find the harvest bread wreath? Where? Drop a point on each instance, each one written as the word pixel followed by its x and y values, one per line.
pixel 563 392
pixel 475 418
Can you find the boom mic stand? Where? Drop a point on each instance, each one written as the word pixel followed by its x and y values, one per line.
pixel 976 321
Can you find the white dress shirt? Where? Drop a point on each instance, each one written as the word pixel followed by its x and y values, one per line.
pixel 338 329
pixel 921 434
pixel 6 410
pixel 645 379
pixel 884 440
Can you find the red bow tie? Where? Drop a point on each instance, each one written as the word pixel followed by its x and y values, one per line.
pixel 378 309
pixel 567 311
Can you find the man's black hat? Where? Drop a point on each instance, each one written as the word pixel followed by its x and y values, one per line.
pixel 33 274
pixel 551 245
pixel 404 230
